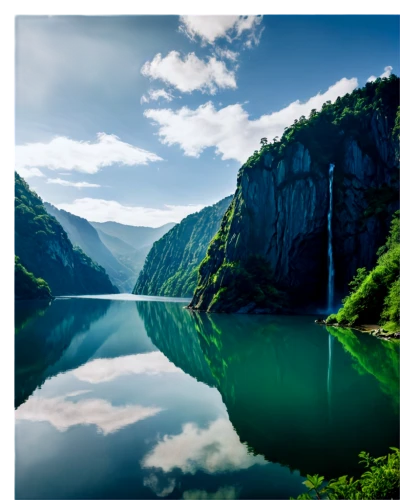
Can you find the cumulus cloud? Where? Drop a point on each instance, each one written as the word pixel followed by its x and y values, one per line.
pixel 63 153
pixel 63 413
pixel 103 370
pixel 211 28
pixel 386 73
pixel 230 130
pixel 214 449
pixel 190 73
pixel 154 95
pixel 78 185
pixel 26 173
pixel 98 210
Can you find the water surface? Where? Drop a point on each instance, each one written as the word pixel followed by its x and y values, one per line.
pixel 145 399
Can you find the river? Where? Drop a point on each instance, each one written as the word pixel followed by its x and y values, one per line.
pixel 132 397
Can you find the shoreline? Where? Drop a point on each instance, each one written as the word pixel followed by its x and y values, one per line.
pixel 374 330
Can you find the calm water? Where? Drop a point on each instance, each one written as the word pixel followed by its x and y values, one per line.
pixel 145 399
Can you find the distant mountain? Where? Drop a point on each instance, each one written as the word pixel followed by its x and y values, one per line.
pixel 84 235
pixel 45 250
pixel 114 244
pixel 136 236
pixel 172 263
pixel 129 245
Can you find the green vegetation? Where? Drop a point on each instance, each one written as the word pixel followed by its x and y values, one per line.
pixel 44 248
pixel 27 286
pixel 375 296
pixel 357 117
pixel 248 285
pixel 171 267
pixel 322 132
pixel 83 235
pixel 380 480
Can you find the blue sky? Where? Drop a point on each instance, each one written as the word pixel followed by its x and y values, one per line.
pixel 145 119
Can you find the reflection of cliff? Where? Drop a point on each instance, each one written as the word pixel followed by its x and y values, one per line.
pixel 379 358
pixel 172 330
pixel 44 335
pixel 27 311
pixel 274 375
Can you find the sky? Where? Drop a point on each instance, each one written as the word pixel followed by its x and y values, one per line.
pixel 146 119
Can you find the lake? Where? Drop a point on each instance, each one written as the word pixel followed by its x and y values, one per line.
pixel 129 397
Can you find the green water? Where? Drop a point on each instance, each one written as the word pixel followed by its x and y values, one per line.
pixel 145 399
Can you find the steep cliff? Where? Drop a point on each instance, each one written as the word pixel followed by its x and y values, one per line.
pixel 280 209
pixel 28 286
pixel 172 263
pixel 46 251
pixel 84 235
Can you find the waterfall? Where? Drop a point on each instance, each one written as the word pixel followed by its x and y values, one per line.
pixel 331 268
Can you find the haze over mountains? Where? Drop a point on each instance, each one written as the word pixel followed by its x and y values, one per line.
pixel 119 248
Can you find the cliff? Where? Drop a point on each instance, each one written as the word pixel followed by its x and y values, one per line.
pixel 45 250
pixel 82 234
pixel 28 286
pixel 172 263
pixel 279 212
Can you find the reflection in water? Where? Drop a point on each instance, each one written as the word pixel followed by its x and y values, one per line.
pixel 329 380
pixel 216 448
pixel 124 399
pixel 269 371
pixel 62 413
pixel 104 370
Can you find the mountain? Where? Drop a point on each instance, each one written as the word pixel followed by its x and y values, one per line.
pixel 129 245
pixel 136 236
pixel 375 295
pixel 172 263
pixel 45 250
pixel 27 286
pixel 84 235
pixel 114 244
pixel 279 213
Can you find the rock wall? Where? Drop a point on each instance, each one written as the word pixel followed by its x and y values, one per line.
pixel 280 211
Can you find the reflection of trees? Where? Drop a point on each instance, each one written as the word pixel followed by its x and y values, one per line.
pixel 272 373
pixel 379 358
pixel 27 311
pixel 43 336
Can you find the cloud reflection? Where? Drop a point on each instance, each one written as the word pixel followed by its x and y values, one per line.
pixel 224 493
pixel 106 369
pixel 213 450
pixel 62 413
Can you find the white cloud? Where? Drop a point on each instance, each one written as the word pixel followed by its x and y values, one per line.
pixel 230 130
pixel 190 73
pixel 227 54
pixel 104 370
pixel 78 185
pixel 214 449
pixel 98 210
pixel 155 484
pixel 26 173
pixel 62 153
pixel 386 73
pixel 154 95
pixel 224 493
pixel 210 28
pixel 62 413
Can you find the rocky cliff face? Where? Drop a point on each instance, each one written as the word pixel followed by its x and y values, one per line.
pixel 280 207
pixel 172 263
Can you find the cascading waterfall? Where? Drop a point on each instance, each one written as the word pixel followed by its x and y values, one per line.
pixel 331 267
